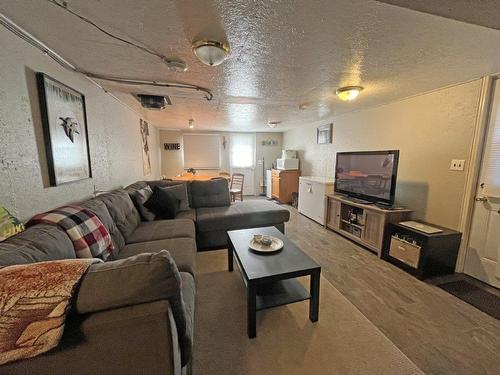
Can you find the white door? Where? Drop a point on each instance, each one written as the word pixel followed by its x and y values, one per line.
pixel 482 259
pixel 242 159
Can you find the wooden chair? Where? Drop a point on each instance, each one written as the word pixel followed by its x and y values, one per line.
pixel 236 187
pixel 227 176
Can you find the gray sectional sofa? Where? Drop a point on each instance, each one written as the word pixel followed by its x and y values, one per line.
pixel 134 313
pixel 213 214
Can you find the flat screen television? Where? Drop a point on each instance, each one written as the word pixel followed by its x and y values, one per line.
pixel 367 175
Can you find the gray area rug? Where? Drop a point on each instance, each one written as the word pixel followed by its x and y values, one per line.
pixel 342 342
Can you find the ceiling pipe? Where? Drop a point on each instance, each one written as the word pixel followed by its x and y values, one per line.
pixel 24 35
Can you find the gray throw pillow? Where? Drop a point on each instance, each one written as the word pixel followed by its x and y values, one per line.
pixel 180 192
pixel 141 196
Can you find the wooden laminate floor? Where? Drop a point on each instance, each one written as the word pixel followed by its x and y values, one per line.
pixel 440 333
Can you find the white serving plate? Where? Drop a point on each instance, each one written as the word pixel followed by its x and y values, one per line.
pixel 276 245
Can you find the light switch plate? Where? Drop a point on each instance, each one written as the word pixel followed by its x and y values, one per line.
pixel 457 165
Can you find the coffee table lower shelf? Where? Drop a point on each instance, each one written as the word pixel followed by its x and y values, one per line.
pixel 278 293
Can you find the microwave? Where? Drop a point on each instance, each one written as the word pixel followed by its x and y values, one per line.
pixel 287 164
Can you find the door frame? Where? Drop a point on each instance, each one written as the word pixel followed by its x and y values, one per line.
pixel 476 158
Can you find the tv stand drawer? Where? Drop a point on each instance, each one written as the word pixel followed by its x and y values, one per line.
pixel 405 252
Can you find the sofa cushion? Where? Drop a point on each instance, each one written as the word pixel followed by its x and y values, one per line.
pixel 240 215
pixel 131 189
pixel 188 292
pixel 162 229
pixel 163 203
pixel 122 210
pixel 38 243
pixel 101 211
pixel 183 250
pixel 213 193
pixel 141 339
pixel 189 214
pixel 140 197
pixel 139 279
pixel 142 278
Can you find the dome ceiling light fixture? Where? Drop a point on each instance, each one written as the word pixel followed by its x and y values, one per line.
pixel 210 52
pixel 191 124
pixel 348 93
pixel 273 124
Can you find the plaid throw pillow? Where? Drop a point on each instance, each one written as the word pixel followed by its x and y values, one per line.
pixel 90 237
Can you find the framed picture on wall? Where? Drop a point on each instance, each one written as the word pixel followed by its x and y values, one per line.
pixel 64 121
pixel 324 134
pixel 146 155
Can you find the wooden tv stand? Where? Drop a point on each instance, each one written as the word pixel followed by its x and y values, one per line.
pixel 362 223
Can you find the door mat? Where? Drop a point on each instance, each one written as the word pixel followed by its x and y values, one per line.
pixel 483 300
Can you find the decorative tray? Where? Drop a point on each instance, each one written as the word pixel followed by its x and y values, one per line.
pixel 276 245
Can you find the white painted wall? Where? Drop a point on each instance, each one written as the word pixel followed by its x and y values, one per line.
pixel 430 130
pixel 114 135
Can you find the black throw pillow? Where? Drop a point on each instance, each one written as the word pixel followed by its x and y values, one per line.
pixel 163 203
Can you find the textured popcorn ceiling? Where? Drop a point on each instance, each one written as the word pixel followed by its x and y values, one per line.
pixel 284 53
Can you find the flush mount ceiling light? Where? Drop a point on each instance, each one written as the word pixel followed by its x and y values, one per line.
pixel 191 124
pixel 348 93
pixel 273 124
pixel 210 52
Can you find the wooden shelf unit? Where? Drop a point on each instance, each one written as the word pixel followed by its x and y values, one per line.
pixel 369 228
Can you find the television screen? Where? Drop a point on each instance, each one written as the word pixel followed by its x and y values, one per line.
pixel 369 175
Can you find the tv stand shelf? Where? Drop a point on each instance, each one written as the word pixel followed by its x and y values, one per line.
pixel 362 223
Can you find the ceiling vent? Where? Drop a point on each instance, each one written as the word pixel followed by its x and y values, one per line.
pixel 153 101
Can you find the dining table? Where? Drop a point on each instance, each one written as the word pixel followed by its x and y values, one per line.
pixel 194 177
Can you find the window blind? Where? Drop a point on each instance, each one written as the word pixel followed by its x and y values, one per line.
pixel 491 162
pixel 242 150
pixel 201 151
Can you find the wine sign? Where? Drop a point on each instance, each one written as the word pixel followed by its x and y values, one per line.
pixel 172 146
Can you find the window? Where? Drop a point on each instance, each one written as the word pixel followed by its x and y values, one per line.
pixel 242 150
pixel 201 151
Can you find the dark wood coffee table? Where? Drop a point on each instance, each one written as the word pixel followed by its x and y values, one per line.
pixel 271 278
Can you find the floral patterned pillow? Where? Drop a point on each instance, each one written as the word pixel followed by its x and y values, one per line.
pixel 9 225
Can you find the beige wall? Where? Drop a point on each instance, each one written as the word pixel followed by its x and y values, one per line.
pixel 429 130
pixel 172 164
pixel 113 129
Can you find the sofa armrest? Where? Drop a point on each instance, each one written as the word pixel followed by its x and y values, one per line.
pixel 142 278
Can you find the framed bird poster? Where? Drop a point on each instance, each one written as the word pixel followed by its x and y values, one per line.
pixel 64 121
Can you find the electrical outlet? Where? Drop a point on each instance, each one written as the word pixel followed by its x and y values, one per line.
pixel 457 165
